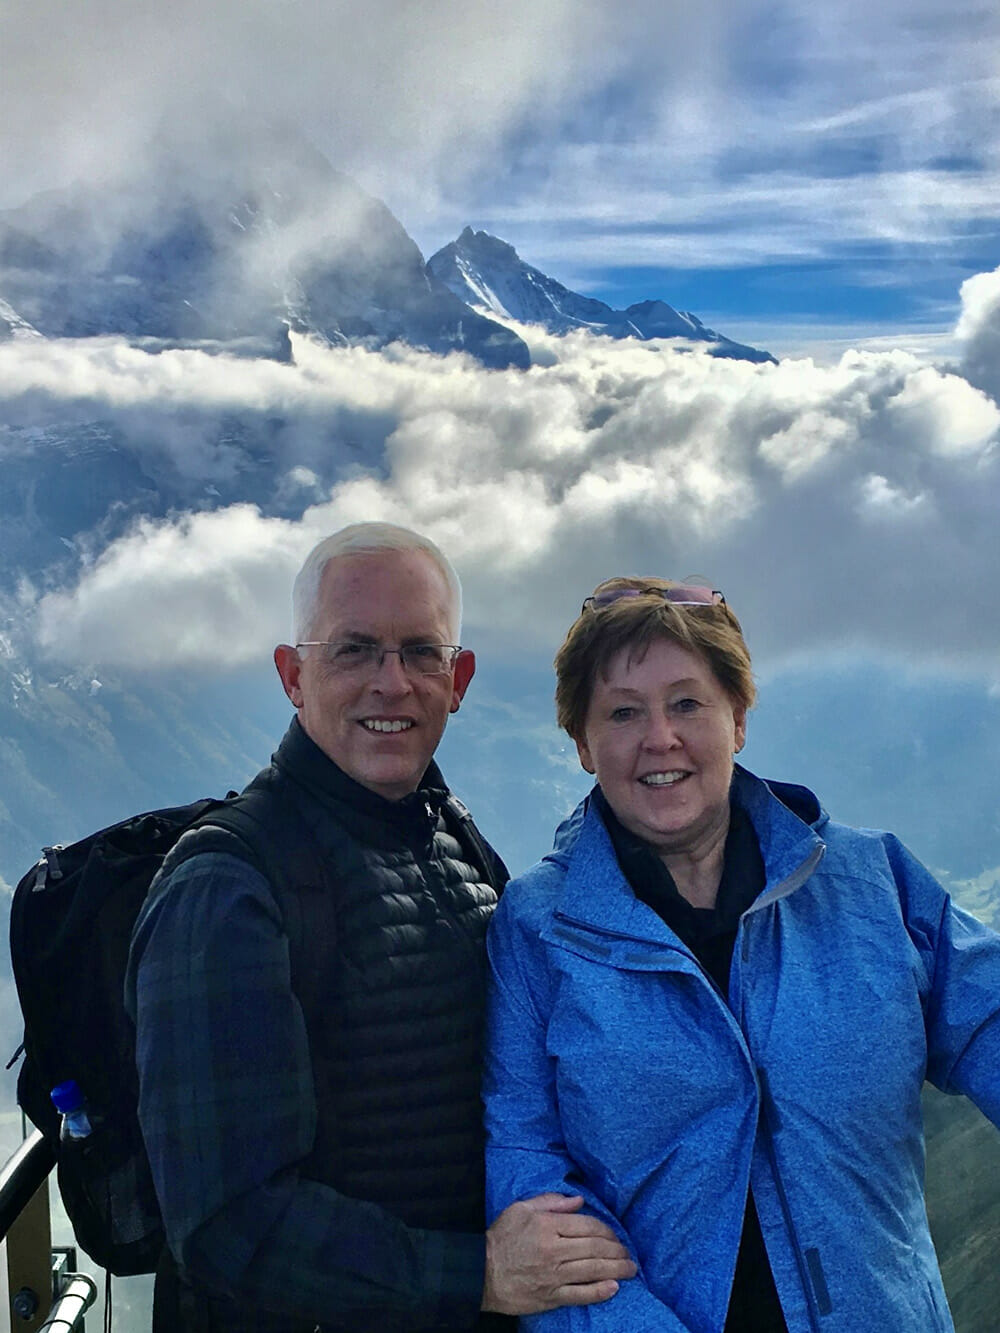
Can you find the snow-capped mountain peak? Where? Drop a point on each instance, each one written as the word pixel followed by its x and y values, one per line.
pixel 489 275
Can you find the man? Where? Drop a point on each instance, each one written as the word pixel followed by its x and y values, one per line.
pixel 308 997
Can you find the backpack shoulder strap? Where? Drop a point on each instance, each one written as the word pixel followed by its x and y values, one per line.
pixel 267 828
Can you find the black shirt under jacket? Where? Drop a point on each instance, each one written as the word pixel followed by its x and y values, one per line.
pixel 710 934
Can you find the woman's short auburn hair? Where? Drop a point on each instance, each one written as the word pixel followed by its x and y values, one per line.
pixel 710 631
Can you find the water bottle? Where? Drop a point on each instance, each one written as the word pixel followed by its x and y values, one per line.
pixel 69 1101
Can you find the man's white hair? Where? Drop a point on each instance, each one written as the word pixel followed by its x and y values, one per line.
pixel 365 539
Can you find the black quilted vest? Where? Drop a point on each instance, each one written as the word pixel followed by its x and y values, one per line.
pixel 387 927
pixel 385 904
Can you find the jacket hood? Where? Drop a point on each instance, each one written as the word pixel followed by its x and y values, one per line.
pixel 802 802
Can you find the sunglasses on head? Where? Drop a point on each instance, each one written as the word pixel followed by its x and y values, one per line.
pixel 680 594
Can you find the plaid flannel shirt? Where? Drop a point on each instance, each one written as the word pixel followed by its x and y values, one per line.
pixel 228 1110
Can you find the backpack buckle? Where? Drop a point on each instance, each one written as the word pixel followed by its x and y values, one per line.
pixel 48 868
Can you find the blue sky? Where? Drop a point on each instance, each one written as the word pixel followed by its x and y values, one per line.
pixel 775 164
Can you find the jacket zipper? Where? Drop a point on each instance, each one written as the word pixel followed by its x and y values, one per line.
pixel 805 1277
pixel 765 1114
pixel 769 1124
pixel 441 908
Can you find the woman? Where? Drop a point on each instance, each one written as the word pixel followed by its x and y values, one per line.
pixel 713 1008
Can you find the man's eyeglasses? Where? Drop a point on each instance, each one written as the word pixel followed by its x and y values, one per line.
pixel 422 659
pixel 680 594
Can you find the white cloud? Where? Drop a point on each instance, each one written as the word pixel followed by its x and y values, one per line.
pixel 844 506
pixel 978 331
pixel 882 498
pixel 418 90
pixel 637 210
pixel 202 590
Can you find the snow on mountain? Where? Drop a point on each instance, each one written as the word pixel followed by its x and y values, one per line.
pixel 13 326
pixel 489 275
pixel 234 261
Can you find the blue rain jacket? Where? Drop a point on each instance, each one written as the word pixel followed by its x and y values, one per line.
pixel 618 1071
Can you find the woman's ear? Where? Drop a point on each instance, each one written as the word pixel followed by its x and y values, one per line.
pixel 740 723
pixel 583 750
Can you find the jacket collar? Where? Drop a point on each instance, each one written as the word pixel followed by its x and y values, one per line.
pixel 596 892
pixel 301 759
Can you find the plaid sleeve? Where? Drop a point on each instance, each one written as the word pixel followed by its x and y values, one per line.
pixel 228 1110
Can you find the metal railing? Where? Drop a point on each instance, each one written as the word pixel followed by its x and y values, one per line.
pixel 21 1176
pixel 70 1305
pixel 43 1296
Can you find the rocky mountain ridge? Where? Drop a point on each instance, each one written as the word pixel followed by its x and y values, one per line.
pixel 233 262
pixel 232 266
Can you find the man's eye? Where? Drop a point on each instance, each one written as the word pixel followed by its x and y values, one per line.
pixel 428 650
pixel 346 652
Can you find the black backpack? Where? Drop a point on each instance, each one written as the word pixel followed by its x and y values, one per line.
pixel 71 924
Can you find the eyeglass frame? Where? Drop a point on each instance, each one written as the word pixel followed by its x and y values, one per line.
pixel 674 595
pixel 380 653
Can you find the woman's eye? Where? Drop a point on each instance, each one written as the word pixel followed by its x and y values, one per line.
pixel 685 706
pixel 622 714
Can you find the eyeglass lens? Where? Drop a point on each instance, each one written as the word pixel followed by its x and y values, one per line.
pixel 425 659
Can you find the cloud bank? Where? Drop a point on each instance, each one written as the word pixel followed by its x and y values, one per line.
pixel 394 88
pixel 847 510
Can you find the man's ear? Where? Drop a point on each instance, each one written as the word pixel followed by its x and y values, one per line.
pixel 465 669
pixel 289 664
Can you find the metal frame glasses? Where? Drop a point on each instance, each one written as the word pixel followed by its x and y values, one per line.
pixel 420 659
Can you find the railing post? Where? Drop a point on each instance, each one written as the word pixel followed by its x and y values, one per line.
pixel 28 1264
pixel 26 1251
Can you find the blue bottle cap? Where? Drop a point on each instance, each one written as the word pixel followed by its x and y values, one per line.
pixel 67 1097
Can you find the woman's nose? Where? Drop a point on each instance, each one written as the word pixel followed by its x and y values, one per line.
pixel 661 732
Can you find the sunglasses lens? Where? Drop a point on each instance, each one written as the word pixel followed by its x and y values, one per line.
pixel 686 595
pixel 613 595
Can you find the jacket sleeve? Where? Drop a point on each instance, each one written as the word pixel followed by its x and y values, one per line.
pixel 962 1012
pixel 228 1111
pixel 525 1153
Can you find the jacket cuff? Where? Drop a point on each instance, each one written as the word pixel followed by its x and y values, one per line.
pixel 452 1269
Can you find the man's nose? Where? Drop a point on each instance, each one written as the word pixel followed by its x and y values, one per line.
pixel 390 672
